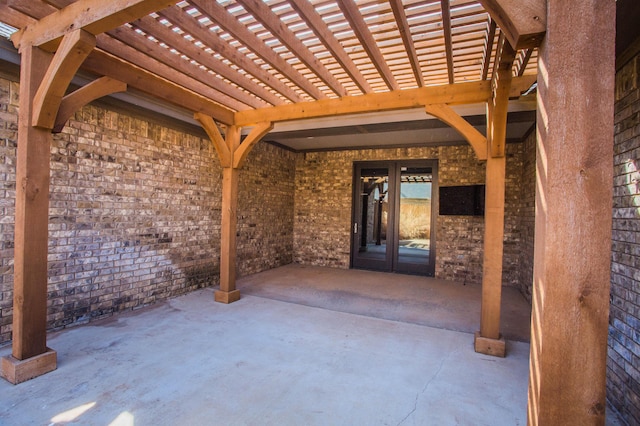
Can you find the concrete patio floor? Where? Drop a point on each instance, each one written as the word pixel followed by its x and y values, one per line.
pixel 191 361
pixel 407 298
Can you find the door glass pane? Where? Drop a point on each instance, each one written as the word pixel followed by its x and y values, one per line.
pixel 414 231
pixel 374 208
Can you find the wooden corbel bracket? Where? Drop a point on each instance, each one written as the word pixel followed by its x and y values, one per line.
pixel 74 101
pixel 446 114
pixel 73 50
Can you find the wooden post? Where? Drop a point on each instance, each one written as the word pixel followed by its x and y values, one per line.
pixel 488 340
pixel 232 153
pixel 228 292
pixel 30 356
pixel 229 222
pixel 571 275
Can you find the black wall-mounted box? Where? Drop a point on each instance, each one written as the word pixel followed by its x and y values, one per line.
pixel 465 200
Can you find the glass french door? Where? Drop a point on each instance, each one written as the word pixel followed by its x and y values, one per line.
pixel 393 216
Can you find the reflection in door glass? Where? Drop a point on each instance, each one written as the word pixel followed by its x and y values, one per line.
pixel 415 215
pixel 374 188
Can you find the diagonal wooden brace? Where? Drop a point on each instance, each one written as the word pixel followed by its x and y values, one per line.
pixel 74 101
pixel 73 50
pixel 445 113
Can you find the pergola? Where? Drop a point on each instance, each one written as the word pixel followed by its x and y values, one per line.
pixel 254 63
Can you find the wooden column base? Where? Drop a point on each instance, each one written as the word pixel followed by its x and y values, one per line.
pixel 226 296
pixel 487 346
pixel 18 371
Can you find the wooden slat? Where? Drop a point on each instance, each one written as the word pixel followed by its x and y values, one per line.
pixel 14 18
pixel 523 21
pixel 160 58
pixel 405 33
pixel 525 61
pixel 176 41
pixel 266 17
pixel 73 50
pixel 359 27
pixel 448 44
pixel 102 63
pixel 322 31
pixel 209 38
pixel 77 99
pixel 158 67
pixel 488 49
pixel 219 15
pixel 94 16
pixel 33 9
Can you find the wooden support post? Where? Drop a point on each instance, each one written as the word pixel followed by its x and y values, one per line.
pixel 488 340
pixel 232 154
pixel 228 292
pixel 567 374
pixel 30 356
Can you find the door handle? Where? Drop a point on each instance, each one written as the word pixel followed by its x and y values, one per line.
pixel 355 228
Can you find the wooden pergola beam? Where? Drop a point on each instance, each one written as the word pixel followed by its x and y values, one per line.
pixel 103 63
pixel 448 42
pixel 524 22
pixel 452 94
pixel 94 16
pixel 405 32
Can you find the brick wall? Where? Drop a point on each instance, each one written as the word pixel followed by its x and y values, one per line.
pixel 135 213
pixel 8 129
pixel 527 215
pixel 265 209
pixel 623 364
pixel 323 209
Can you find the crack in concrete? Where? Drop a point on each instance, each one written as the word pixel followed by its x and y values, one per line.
pixel 424 389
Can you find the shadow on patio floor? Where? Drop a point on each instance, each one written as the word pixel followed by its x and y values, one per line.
pixel 412 299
